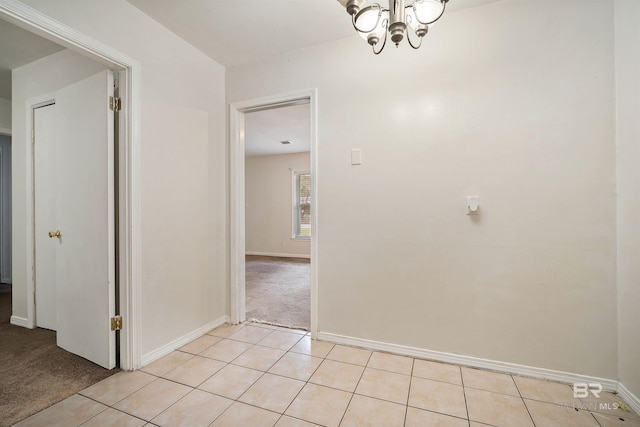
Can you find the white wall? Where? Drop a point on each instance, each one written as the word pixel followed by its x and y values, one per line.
pixel 38 78
pixel 269 212
pixel 5 115
pixel 5 209
pixel 513 102
pixel 628 158
pixel 183 161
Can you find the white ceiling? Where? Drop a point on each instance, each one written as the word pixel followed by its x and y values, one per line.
pixel 264 131
pixel 19 47
pixel 241 31
pixel 244 31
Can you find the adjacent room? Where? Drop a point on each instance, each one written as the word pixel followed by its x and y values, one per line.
pixel 278 215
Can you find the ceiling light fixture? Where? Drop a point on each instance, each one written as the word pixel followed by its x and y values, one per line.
pixel 373 22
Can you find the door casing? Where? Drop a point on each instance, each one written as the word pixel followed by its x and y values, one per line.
pixel 237 191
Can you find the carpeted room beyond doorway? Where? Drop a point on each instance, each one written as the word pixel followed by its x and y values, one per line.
pixel 34 372
pixel 278 290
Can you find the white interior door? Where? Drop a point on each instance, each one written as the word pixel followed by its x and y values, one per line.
pixel 85 261
pixel 45 216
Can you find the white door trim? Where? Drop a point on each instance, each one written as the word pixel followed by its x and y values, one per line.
pixel 237 192
pixel 32 104
pixel 129 194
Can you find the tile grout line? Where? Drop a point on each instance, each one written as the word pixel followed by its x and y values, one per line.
pixel 523 402
pixel 406 408
pixel 464 394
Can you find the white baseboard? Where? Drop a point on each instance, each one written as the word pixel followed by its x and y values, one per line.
pixel 493 365
pixel 179 342
pixel 278 255
pixel 630 398
pixel 21 321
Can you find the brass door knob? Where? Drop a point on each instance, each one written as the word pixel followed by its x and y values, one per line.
pixel 56 233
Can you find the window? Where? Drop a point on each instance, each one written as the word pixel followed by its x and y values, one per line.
pixel 301 205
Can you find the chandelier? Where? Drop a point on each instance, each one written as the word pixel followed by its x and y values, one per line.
pixel 373 22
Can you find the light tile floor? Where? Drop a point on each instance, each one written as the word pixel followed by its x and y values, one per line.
pixel 259 375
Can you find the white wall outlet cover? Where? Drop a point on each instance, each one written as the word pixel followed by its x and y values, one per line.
pixel 473 203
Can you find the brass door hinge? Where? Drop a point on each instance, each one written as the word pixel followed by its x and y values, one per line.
pixel 115 104
pixel 116 323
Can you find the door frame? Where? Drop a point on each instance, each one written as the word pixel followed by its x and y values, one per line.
pixel 128 71
pixel 237 113
pixel 32 285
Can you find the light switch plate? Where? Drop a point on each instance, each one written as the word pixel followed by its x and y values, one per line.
pixel 356 156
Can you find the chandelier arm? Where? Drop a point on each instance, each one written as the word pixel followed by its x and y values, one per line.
pixel 444 6
pixel 384 42
pixel 411 43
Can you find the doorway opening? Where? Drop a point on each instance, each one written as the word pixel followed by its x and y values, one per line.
pixel 278 215
pixel 127 72
pixel 301 206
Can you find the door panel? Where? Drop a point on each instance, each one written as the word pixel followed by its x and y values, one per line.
pixel 85 215
pixel 45 216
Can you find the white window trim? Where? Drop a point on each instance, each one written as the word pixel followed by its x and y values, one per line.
pixel 294 204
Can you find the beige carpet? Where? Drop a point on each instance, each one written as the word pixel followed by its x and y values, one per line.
pixel 278 290
pixel 34 372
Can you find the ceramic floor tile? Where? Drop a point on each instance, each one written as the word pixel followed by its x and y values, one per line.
pixel 72 411
pixel 167 363
pixel 280 340
pixel 198 408
pixel 226 350
pixel 384 385
pixel 320 405
pixel 552 415
pixel 609 403
pixel 419 418
pixel 608 420
pixel 262 325
pixel 260 358
pixel 356 356
pixel 300 332
pixel 200 344
pixel 250 334
pixel 497 409
pixel 286 421
pixel 117 387
pixel 489 381
pixel 114 418
pixel 365 411
pixel 312 347
pixel 240 414
pixel 437 371
pixel 296 366
pixel 231 381
pixel 225 330
pixel 391 363
pixel 272 392
pixel 437 396
pixel 152 399
pixel 343 376
pixel 195 371
pixel 546 391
